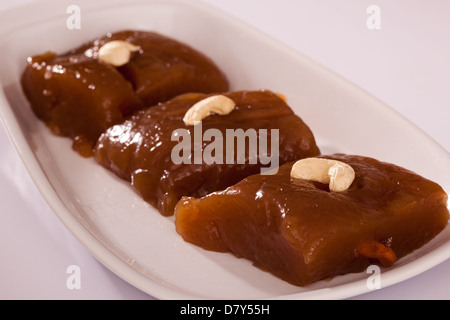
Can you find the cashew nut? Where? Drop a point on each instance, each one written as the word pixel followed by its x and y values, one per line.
pixel 116 52
pixel 215 104
pixel 337 174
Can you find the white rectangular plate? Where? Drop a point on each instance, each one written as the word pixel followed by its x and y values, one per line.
pixel 130 237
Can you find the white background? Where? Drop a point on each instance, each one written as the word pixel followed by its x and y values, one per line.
pixel 406 64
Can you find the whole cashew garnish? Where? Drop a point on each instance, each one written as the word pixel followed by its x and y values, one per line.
pixel 337 174
pixel 116 52
pixel 219 104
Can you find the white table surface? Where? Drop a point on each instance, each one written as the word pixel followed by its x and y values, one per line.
pixel 406 64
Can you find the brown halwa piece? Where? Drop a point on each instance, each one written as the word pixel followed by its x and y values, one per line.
pixel 301 232
pixel 76 95
pixel 140 149
pixel 165 68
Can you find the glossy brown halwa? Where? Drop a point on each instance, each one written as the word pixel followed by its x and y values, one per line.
pixel 298 230
pixel 302 232
pixel 78 96
pixel 140 149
